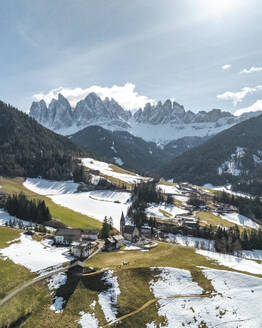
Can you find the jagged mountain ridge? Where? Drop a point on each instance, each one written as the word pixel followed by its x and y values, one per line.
pixel 175 121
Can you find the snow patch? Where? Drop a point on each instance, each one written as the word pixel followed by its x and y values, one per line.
pixel 233 166
pixel 6 218
pixel 255 254
pixel 192 241
pixel 88 320
pixel 108 299
pixel 35 255
pixel 240 220
pixel 118 161
pixel 173 282
pixel 105 169
pixel 156 210
pixel 57 306
pixel 233 262
pixel 56 281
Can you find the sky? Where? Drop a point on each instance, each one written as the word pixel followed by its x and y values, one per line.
pixel 203 54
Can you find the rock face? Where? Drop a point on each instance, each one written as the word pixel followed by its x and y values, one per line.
pixel 59 116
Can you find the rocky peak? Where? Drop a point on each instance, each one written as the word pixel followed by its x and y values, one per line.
pixel 38 111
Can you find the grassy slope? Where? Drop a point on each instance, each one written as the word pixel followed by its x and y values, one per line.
pixel 11 275
pixel 59 213
pixel 133 281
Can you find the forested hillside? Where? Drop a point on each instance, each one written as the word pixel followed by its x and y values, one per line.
pixel 133 153
pixel 233 156
pixel 28 149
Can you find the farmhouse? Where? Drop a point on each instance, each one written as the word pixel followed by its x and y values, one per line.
pixel 81 250
pixel 67 236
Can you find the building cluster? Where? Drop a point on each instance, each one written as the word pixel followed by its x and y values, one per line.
pixel 82 242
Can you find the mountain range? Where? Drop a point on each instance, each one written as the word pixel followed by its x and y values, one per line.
pixel 160 123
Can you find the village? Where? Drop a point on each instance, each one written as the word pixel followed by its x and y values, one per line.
pixel 82 243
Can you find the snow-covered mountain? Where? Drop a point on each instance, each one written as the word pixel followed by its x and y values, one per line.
pixel 160 123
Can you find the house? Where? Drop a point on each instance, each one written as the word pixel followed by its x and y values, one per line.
pixel 67 236
pixel 114 242
pixel 90 234
pixel 81 250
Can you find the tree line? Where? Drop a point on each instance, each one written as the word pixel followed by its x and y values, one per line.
pixel 21 207
pixel 250 207
pixel 229 240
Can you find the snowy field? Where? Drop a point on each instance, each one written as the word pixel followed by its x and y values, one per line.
pixel 191 241
pixel 35 255
pixel 168 190
pixel 226 189
pixel 183 199
pixel 85 203
pixel 255 254
pixel 235 305
pixel 156 210
pixel 48 187
pixel 105 169
pixel 96 204
pixel 6 217
pixel 110 196
pixel 239 220
pixel 173 282
pixel 233 262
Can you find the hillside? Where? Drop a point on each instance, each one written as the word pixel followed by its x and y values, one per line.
pixel 233 156
pixel 133 153
pixel 29 149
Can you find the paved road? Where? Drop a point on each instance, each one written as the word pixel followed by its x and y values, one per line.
pixel 48 275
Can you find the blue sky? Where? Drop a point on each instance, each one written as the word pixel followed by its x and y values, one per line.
pixel 147 49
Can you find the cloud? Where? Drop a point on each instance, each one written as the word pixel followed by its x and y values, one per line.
pixel 125 95
pixel 257 106
pixel 251 70
pixel 226 67
pixel 238 96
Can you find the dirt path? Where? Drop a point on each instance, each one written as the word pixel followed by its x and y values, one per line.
pixel 148 303
pixel 48 275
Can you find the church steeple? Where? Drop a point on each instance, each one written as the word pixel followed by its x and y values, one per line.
pixel 122 223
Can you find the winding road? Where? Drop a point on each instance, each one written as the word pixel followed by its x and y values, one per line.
pixel 48 275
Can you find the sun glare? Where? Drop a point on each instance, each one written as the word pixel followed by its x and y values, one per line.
pixel 219 7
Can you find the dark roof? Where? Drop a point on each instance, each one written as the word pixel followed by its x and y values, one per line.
pixel 129 229
pixel 68 232
pixel 91 231
pixel 110 240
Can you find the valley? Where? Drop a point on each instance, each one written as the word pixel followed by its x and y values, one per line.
pixel 181 282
